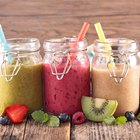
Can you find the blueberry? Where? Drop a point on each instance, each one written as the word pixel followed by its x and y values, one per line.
pixel 130 116
pixel 4 120
pixel 63 117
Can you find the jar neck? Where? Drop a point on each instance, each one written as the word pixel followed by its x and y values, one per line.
pixel 116 45
pixel 23 44
pixel 66 44
pixel 110 53
pixel 66 52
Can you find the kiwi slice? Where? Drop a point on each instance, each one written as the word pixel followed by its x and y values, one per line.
pixel 96 109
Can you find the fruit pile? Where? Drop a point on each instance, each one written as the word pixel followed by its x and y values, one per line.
pixel 14 114
pixel 94 109
pixel 102 110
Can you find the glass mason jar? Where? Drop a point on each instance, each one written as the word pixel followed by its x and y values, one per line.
pixel 66 73
pixel 115 73
pixel 20 73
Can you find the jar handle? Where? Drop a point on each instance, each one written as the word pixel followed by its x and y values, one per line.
pixel 60 75
pixel 9 77
pixel 113 70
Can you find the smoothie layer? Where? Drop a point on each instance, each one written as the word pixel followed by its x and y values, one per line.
pixel 64 96
pixel 126 92
pixel 24 88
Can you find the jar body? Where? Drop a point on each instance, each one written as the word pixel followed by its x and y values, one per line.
pixel 120 83
pixel 25 87
pixel 64 95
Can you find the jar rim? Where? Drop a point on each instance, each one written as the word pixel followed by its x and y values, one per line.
pixel 63 39
pixel 116 44
pixel 23 44
pixel 65 44
pixel 116 40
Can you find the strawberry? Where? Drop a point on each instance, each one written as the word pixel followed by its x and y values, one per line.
pixel 17 112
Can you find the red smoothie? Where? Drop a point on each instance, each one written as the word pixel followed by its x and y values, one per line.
pixel 64 96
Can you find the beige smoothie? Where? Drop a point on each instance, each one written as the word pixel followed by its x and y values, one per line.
pixel 24 88
pixel 125 92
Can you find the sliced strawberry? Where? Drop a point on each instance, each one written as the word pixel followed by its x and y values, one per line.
pixel 17 112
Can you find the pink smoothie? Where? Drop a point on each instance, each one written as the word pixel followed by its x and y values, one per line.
pixel 64 96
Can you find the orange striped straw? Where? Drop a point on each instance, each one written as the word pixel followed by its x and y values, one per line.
pixel 82 33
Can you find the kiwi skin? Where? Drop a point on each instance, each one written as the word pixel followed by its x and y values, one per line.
pixel 97 109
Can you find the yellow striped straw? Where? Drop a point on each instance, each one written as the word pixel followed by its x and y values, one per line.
pixel 101 35
pixel 102 38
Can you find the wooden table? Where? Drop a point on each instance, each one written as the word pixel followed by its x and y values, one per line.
pixel 30 130
pixel 45 19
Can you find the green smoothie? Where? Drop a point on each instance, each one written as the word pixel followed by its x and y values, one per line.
pixel 24 88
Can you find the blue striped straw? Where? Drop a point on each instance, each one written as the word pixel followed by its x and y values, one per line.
pixel 3 40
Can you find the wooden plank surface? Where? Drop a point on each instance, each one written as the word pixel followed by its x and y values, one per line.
pixel 99 131
pixel 36 131
pixel 30 130
pixel 45 19
pixel 12 132
pixel 51 18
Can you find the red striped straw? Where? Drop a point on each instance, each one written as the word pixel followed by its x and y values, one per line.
pixel 82 33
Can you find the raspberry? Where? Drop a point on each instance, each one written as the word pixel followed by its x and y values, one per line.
pixel 78 118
